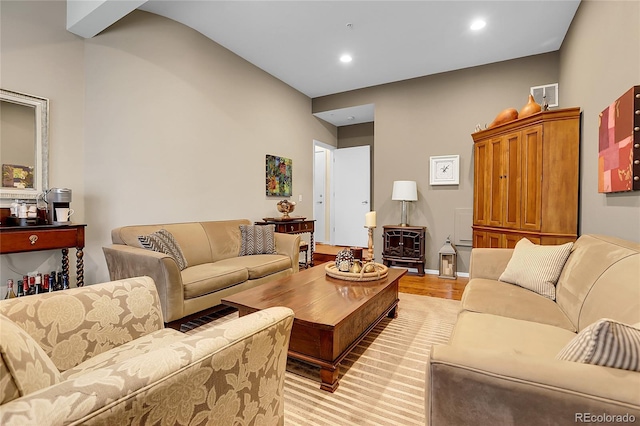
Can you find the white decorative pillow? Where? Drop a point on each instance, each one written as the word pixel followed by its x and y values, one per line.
pixel 25 364
pixel 536 267
pixel 607 343
pixel 163 241
pixel 257 239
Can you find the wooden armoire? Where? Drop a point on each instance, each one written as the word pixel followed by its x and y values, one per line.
pixel 526 179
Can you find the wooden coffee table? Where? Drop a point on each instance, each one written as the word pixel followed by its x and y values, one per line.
pixel 331 316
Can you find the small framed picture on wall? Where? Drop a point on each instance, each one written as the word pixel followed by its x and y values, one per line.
pixel 444 170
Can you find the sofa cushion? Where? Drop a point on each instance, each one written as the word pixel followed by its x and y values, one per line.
pixel 605 342
pixel 508 300
pixel 508 335
pixel 257 239
pixel 260 265
pixel 209 277
pixel 536 267
pixel 28 366
pixel 142 345
pixel 162 241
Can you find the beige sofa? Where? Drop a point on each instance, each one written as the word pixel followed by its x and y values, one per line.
pixel 100 355
pixel 215 269
pixel 500 366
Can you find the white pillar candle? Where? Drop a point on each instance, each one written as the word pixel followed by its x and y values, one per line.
pixel 370 219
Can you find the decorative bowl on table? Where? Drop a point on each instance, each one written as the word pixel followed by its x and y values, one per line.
pixel 285 207
pixel 374 272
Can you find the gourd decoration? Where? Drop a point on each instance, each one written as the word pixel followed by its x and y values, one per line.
pixel 505 116
pixel 344 260
pixel 530 108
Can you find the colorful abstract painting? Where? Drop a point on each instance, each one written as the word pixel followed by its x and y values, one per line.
pixel 616 153
pixel 279 176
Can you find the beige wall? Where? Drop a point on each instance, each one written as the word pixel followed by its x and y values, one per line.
pixel 153 122
pixel 435 115
pixel 39 57
pixel 599 61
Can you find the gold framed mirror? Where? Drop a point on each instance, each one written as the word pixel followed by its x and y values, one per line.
pixel 24 146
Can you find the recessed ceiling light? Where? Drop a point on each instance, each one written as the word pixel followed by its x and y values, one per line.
pixel 346 58
pixel 478 24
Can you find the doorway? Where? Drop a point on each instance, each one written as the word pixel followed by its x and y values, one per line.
pixel 341 194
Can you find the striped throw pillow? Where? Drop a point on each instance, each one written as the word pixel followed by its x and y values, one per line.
pixel 257 239
pixel 536 267
pixel 163 241
pixel 607 343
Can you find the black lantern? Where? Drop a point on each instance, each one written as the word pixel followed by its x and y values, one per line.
pixel 448 261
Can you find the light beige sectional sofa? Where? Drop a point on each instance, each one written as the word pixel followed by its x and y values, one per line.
pixel 100 355
pixel 214 268
pixel 501 365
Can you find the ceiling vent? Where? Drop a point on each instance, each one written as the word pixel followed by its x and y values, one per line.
pixel 548 92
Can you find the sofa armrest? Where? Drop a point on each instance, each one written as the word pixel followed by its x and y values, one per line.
pixel 489 263
pixel 234 371
pixel 74 325
pixel 289 245
pixel 471 387
pixel 125 262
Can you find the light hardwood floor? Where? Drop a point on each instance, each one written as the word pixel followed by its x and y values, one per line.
pixel 429 285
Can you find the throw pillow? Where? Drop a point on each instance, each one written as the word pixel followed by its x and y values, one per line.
pixel 257 239
pixel 605 342
pixel 163 241
pixel 536 267
pixel 29 367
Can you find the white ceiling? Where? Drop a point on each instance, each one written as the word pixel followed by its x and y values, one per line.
pixel 300 42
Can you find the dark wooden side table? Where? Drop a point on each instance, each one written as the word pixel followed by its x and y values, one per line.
pixel 20 239
pixel 404 246
pixel 294 226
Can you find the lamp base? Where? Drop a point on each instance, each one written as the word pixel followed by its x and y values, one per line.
pixel 404 214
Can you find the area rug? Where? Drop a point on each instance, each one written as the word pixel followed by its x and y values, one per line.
pixel 381 380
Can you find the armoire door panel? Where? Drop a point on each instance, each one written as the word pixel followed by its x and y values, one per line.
pixel 495 182
pixel 532 178
pixel 480 186
pixel 495 240
pixel 480 239
pixel 512 181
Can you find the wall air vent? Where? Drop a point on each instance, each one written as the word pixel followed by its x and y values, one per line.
pixel 548 92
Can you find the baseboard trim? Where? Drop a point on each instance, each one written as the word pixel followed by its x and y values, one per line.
pixel 436 272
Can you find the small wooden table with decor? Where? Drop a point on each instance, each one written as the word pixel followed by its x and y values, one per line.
pixel 20 239
pixel 294 225
pixel 331 315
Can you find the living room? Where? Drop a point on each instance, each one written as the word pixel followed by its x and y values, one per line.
pixel 138 101
pixel 151 122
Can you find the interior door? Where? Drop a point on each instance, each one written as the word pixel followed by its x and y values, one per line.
pixel 351 195
pixel 319 191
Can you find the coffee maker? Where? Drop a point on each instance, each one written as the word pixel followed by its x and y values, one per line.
pixel 56 198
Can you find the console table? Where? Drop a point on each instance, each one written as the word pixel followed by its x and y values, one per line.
pixel 20 239
pixel 404 246
pixel 294 226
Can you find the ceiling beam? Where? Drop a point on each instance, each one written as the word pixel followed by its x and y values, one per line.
pixel 88 18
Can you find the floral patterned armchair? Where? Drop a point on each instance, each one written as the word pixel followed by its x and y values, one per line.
pixel 100 355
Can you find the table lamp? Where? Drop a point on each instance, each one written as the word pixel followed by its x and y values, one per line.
pixel 404 190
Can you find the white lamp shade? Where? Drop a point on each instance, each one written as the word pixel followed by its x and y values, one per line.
pixel 405 190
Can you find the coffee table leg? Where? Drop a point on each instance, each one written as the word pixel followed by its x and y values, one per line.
pixel 393 313
pixel 329 377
